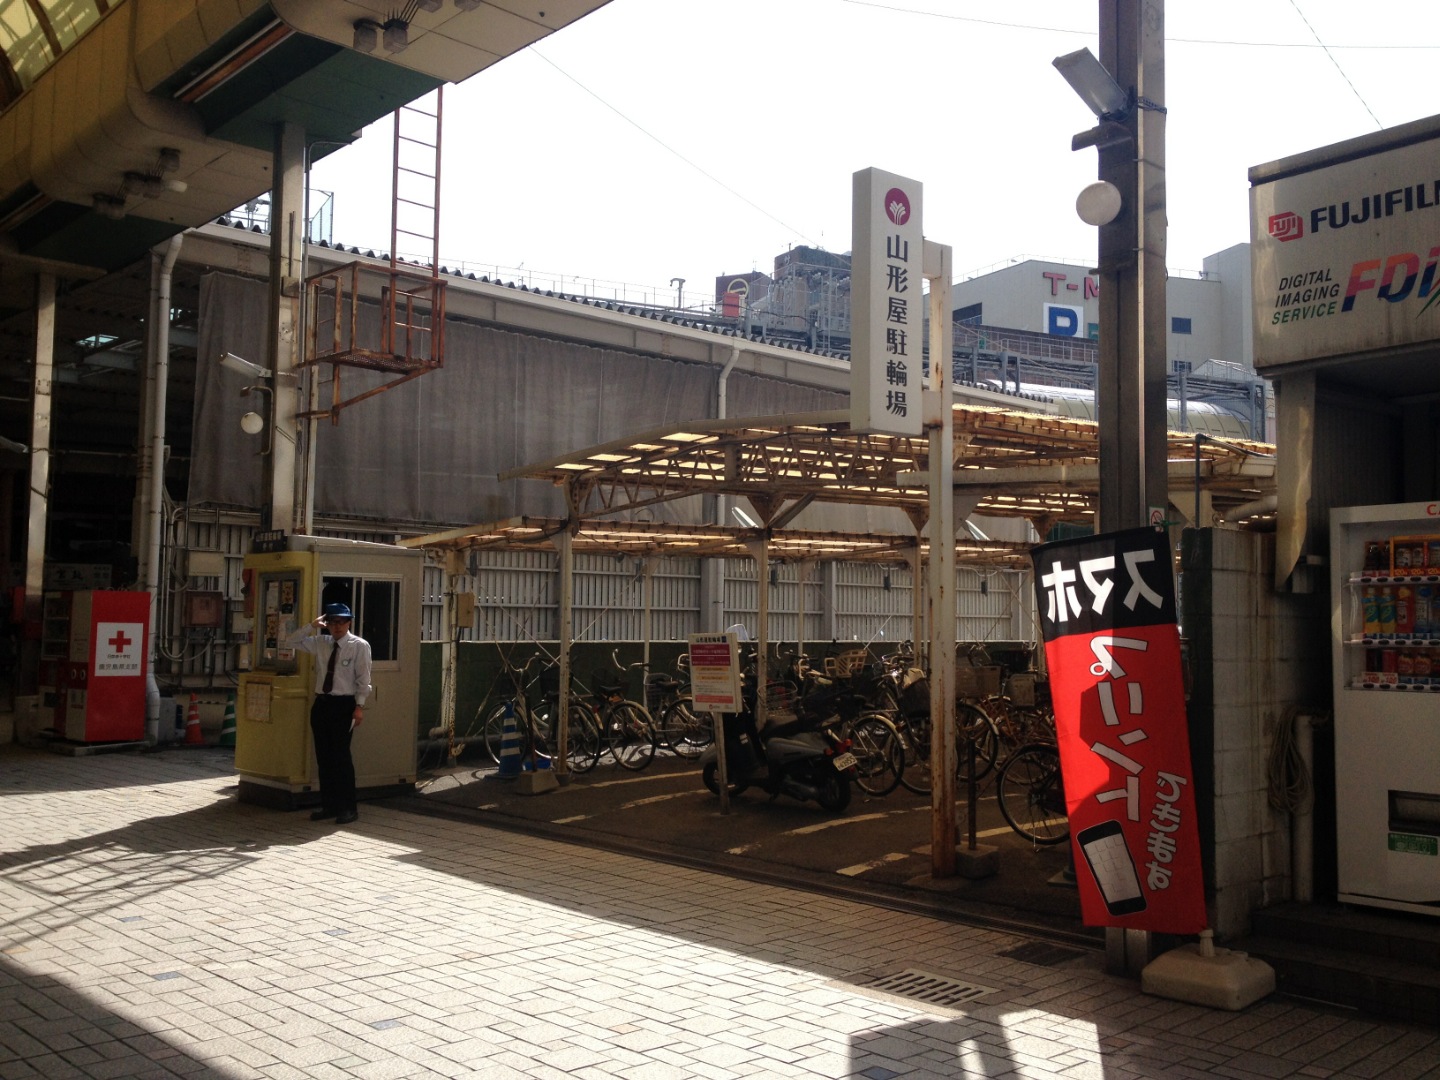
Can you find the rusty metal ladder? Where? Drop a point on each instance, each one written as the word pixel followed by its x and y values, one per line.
pixel 410 294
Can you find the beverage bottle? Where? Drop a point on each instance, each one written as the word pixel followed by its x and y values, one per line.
pixel 1387 610
pixel 1425 610
pixel 1370 604
pixel 1374 558
pixel 1404 610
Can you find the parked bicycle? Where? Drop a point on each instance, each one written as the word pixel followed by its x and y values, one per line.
pixel 1032 796
pixel 625 726
pixel 513 687
pixel 678 727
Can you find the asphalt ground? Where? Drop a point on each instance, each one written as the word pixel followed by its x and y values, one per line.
pixel 878 849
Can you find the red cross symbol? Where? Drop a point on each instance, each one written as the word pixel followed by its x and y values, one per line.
pixel 120 641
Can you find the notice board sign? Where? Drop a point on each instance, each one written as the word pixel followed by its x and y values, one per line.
pixel 887 305
pixel 1107 610
pixel 715 672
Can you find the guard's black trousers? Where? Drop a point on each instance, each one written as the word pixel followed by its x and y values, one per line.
pixel 330 720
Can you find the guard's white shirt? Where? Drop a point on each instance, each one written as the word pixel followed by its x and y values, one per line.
pixel 352 666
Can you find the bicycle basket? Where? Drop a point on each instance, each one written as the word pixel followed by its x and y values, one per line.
pixel 915 695
pixel 847 663
pixel 977 682
pixel 779 699
pixel 1021 688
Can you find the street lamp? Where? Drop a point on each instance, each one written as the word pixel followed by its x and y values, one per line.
pixel 1127 204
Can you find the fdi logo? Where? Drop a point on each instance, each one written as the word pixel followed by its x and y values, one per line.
pixel 1287 226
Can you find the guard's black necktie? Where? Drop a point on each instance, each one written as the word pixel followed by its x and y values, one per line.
pixel 330 669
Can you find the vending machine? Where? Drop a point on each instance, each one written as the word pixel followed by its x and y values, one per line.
pixel 1385 594
pixel 94 648
pixel 288 580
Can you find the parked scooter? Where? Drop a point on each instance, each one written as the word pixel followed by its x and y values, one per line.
pixel 803 758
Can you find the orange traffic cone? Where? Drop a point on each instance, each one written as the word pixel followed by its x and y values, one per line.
pixel 192 723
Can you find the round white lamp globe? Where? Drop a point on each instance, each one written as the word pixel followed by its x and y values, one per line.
pixel 252 423
pixel 1098 203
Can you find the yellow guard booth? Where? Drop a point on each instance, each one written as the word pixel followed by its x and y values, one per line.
pixel 288 580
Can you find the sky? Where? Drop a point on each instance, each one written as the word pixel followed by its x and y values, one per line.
pixel 662 139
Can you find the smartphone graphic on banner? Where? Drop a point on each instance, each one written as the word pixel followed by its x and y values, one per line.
pixel 1114 869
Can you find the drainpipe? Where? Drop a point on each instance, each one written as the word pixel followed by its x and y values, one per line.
pixel 155 510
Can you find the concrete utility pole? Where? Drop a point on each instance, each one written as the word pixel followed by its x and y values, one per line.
pixel 1132 361
pixel 287 239
pixel 1131 393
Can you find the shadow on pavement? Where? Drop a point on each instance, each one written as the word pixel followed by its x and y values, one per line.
pixel 877 851
pixel 106 769
pixel 57 1031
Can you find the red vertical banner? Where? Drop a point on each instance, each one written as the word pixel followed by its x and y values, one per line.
pixel 1107 610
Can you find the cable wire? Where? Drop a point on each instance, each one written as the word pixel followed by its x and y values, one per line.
pixel 661 142
pixel 1296 5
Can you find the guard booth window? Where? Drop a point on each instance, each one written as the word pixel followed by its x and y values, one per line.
pixel 376 604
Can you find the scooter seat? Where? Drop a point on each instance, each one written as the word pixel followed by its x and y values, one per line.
pixel 793 745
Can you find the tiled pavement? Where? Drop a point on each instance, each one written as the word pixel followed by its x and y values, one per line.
pixel 150 925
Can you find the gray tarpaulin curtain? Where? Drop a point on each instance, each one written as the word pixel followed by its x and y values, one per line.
pixel 428 452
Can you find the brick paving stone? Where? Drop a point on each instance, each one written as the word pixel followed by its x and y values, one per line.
pixel 298 952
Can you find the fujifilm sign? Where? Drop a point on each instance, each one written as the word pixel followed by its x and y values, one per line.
pixel 1345 256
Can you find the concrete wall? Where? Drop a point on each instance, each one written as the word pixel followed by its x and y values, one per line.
pixel 1257 659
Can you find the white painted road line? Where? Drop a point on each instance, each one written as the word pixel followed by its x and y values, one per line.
pixel 860 868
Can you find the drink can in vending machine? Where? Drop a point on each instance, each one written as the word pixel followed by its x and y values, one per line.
pixel 1425 610
pixel 1400 558
pixel 1370 601
pixel 1387 610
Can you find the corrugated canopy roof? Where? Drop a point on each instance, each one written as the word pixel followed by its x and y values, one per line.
pixel 1041 467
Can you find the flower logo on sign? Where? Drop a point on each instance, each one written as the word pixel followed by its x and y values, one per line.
pixel 897 206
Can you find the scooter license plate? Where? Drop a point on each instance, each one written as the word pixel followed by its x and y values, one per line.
pixel 845 761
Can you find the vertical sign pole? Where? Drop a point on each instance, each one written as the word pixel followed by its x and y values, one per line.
pixel 940 419
pixel 565 550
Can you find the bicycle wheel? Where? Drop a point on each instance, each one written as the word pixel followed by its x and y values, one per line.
pixel 630 735
pixel 1031 797
pixel 973 726
pixel 916 777
pixel 683 730
pixel 538 733
pixel 582 739
pixel 879 753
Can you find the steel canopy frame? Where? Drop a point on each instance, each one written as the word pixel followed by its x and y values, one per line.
pixel 1012 464
pixel 645 539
